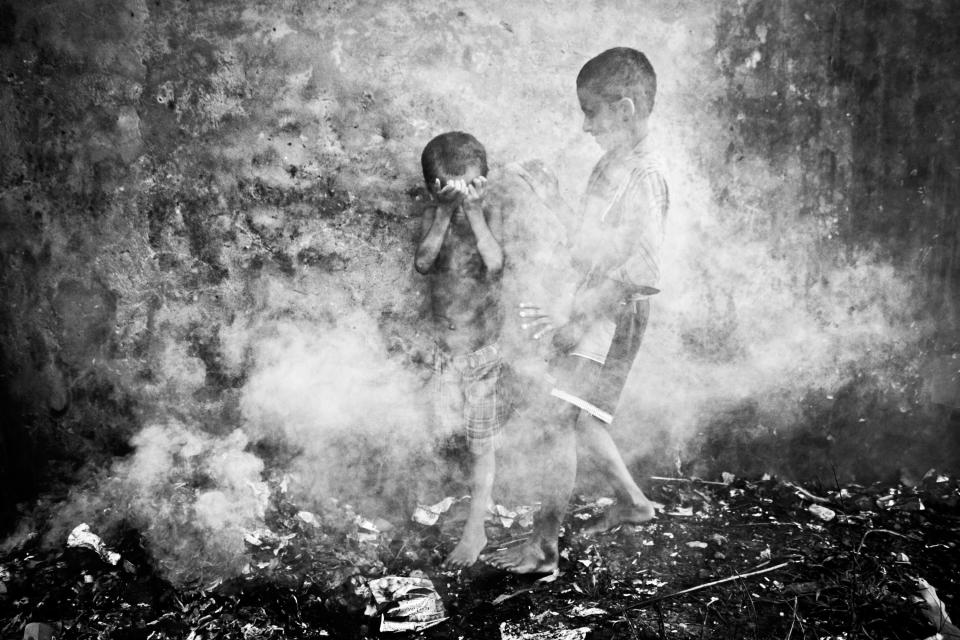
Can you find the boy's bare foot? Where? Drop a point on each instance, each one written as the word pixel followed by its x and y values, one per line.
pixel 530 558
pixel 466 552
pixel 622 514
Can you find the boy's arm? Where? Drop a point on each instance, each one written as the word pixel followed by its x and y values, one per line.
pixel 545 185
pixel 487 231
pixel 433 228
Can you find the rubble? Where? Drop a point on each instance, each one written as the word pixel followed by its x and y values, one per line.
pixel 511 632
pixel 746 558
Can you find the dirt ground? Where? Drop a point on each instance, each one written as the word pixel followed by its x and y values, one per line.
pixel 783 571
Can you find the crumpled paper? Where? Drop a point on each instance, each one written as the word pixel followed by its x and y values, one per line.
pixel 405 603
pixel 429 514
pixel 522 515
pixel 367 531
pixel 81 536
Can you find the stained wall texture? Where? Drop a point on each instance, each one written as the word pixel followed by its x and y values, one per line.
pixel 209 213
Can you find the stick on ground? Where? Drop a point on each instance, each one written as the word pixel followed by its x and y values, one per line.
pixel 736 576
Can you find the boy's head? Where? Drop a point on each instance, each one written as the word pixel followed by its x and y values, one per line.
pixel 454 155
pixel 616 90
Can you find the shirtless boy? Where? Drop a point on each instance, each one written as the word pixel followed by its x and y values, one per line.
pixel 616 249
pixel 461 252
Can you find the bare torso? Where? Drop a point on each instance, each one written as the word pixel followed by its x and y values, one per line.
pixel 465 297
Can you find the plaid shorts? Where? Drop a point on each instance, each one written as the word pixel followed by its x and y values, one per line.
pixel 469 394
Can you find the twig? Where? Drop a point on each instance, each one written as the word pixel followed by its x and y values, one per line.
pixel 893 533
pixel 663 633
pixel 509 542
pixel 753 609
pixel 736 576
pixel 836 482
pixel 794 621
pixel 506 596
pixel 806 494
pixel 664 479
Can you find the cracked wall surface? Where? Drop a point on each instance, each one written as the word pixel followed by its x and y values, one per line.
pixel 209 209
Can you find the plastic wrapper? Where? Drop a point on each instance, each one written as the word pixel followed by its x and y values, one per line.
pixel 936 611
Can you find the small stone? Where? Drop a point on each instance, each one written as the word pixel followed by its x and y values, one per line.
pixel 37 631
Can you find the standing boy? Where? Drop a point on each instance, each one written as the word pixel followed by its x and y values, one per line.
pixel 461 252
pixel 616 249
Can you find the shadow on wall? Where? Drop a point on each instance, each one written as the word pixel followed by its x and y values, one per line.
pixel 22 465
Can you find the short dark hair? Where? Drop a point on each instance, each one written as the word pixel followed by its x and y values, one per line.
pixel 620 72
pixel 451 154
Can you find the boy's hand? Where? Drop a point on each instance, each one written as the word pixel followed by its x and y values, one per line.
pixel 473 198
pixel 563 330
pixel 541 180
pixel 448 197
pixel 461 190
pixel 567 337
pixel 472 192
pixel 539 321
pixel 535 320
pixel 476 189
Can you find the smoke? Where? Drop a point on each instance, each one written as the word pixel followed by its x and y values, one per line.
pixel 329 392
pixel 190 494
pixel 758 305
pixel 323 405
pixel 762 307
pixel 753 311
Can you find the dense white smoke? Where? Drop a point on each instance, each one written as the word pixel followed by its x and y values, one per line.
pixel 331 393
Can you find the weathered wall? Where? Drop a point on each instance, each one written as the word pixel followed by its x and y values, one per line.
pixel 838 131
pixel 208 212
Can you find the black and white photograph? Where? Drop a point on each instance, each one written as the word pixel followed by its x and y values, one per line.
pixel 489 320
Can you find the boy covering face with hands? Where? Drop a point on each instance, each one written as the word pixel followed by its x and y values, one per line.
pixel 461 252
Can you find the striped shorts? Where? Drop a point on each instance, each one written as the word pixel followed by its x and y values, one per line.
pixel 596 387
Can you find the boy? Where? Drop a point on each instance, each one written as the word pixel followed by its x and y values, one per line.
pixel 460 250
pixel 616 249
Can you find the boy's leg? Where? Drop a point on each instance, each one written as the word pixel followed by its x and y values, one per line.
pixel 484 413
pixel 540 553
pixel 474 537
pixel 632 507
